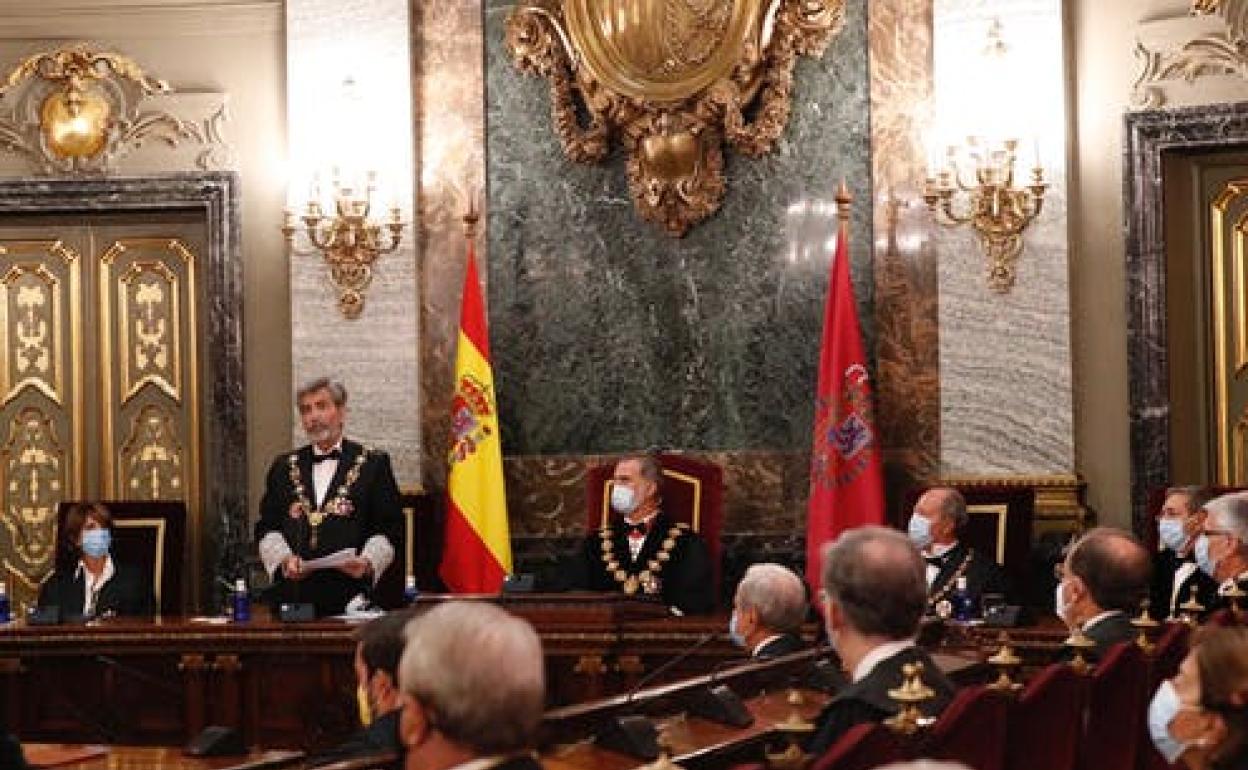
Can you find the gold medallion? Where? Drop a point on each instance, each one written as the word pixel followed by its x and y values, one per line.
pixel 630 585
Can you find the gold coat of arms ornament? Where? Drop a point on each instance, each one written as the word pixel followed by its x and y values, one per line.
pixel 673 80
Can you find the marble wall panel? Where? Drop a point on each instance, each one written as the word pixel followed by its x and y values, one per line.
pixel 907 348
pixel 376 355
pixel 608 334
pixel 450 135
pixel 1005 358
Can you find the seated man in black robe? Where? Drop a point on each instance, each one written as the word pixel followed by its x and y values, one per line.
pixel 873 594
pixel 1103 580
pixel 767 611
pixel 935 528
pixel 1222 550
pixel 642 551
pixel 1177 578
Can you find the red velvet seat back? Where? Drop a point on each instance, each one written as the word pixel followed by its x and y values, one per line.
pixel 863 747
pixel 693 493
pixel 1045 722
pixel 1167 655
pixel 971 730
pixel 1117 698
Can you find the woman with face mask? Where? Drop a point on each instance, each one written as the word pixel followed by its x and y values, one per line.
pixel 88 583
pixel 1200 718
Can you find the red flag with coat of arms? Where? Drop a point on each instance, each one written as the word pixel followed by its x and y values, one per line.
pixel 846 476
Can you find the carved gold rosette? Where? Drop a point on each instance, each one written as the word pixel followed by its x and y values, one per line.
pixel 673 80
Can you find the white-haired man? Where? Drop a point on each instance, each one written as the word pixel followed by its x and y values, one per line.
pixel 936 525
pixel 767 611
pixel 1222 548
pixel 473 689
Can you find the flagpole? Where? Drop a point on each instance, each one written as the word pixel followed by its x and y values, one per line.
pixel 843 202
pixel 472 216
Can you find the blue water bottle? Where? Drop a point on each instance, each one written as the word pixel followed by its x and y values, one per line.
pixel 963 607
pixel 409 591
pixel 242 602
pixel 6 613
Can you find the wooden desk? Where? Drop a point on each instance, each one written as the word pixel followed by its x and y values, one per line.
pixel 155 758
pixel 292 686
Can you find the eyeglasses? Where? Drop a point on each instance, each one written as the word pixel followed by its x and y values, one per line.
pixel 1216 532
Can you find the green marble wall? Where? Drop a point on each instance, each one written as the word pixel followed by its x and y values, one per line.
pixel 609 335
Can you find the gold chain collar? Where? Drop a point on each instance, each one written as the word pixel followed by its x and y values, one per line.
pixel 648 579
pixel 338 505
pixel 943 593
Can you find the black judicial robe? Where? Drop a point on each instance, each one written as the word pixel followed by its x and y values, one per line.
pixel 785 644
pixel 380 737
pixel 362 500
pixel 684 576
pixel 983 576
pixel 1166 564
pixel 126 593
pixel 867 699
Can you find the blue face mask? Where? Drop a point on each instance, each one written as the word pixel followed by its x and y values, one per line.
pixel 734 633
pixel 623 500
pixel 1164 707
pixel 1203 560
pixel 920 531
pixel 1170 532
pixel 95 542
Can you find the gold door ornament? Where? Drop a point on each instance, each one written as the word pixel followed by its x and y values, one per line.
pixel 674 80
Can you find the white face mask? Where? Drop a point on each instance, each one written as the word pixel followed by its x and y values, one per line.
pixel 1170 532
pixel 1059 603
pixel 1207 563
pixel 920 531
pixel 1162 710
pixel 734 631
pixel 623 500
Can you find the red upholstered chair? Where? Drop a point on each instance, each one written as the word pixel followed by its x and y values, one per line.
pixel 1046 720
pixel 693 493
pixel 1167 655
pixel 1117 698
pixel 971 730
pixel 864 747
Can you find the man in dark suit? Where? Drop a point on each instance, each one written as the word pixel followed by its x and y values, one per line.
pixel 473 689
pixel 378 646
pixel 642 551
pixel 1222 548
pixel 330 495
pixel 873 595
pixel 1103 580
pixel 767 611
pixel 935 527
pixel 1175 572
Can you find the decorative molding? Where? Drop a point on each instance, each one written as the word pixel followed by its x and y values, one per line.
pixel 674 88
pixel 1210 45
pixel 121 19
pixel 77 111
pixel 1059 497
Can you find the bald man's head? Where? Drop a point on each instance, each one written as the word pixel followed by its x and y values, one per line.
pixel 1113 566
pixel 879 579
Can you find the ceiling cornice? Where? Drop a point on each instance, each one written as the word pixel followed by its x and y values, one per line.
pixel 120 19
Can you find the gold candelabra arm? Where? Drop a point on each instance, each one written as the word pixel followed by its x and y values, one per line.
pixel 912 692
pixel 1081 645
pixel 1006 662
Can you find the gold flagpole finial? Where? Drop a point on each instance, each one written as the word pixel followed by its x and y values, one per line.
pixel 843 201
pixel 472 216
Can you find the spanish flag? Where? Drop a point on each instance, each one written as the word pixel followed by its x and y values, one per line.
pixel 476 553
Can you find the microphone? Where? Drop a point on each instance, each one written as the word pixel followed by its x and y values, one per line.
pixel 675 660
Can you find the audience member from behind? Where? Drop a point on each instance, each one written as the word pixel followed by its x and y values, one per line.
pixel 936 525
pixel 768 610
pixel 89 583
pixel 873 594
pixel 1175 572
pixel 1201 716
pixel 1222 548
pixel 378 646
pixel 1103 580
pixel 473 689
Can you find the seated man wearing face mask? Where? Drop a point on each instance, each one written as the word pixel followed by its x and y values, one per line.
pixel 641 551
pixel 939 516
pixel 1175 572
pixel 1103 580
pixel 767 611
pixel 378 647
pixel 873 595
pixel 1222 548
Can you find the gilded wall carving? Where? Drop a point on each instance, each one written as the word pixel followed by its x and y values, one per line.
pixel 36 475
pixel 79 110
pixel 152 457
pixel 1210 44
pixel 151 334
pixel 687 78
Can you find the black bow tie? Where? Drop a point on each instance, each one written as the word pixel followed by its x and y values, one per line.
pixel 332 454
pixel 935 561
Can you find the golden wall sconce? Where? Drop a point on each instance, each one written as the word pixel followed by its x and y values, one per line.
pixel 348 240
pixel 673 82
pixel 997 210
